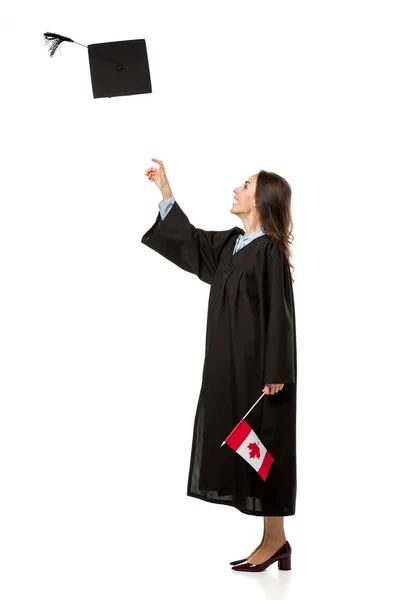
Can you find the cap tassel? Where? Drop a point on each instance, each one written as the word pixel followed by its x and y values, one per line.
pixel 55 39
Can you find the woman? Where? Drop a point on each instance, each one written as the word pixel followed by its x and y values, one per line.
pixel 250 348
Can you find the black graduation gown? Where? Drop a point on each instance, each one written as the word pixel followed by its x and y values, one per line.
pixel 250 341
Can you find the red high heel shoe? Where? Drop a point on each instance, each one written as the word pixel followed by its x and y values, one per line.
pixel 283 555
pixel 237 562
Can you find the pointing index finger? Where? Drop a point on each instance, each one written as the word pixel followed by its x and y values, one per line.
pixel 160 162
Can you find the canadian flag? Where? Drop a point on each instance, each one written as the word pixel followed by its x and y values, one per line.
pixel 245 442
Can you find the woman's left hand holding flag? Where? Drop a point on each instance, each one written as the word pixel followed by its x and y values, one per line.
pixel 272 388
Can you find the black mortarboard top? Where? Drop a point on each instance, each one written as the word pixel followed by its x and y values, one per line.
pixel 116 68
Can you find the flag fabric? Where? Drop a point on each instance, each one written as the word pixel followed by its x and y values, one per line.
pixel 248 445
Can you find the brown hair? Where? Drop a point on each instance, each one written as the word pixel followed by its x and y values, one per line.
pixel 274 203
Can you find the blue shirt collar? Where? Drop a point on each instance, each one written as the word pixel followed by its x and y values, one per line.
pixel 252 235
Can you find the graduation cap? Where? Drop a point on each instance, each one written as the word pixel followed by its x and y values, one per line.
pixel 116 68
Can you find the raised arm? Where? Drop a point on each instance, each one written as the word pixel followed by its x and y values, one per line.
pixel 174 237
pixel 192 249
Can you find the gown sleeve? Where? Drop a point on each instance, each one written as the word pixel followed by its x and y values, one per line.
pixel 277 316
pixel 190 248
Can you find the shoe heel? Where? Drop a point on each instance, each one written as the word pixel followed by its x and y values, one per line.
pixel 285 564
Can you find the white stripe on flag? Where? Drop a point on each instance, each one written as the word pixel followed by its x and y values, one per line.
pixel 248 445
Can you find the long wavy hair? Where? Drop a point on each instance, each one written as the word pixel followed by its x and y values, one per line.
pixel 274 203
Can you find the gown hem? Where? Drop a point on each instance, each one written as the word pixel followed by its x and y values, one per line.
pixel 241 509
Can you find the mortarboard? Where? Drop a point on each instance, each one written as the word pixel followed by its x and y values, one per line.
pixel 116 68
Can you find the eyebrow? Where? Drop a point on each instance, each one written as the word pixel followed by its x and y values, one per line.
pixel 248 182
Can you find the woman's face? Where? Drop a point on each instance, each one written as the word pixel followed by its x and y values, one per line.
pixel 245 196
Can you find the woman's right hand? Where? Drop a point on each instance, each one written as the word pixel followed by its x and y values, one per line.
pixel 159 177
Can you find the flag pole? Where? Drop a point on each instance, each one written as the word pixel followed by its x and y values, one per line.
pixel 224 442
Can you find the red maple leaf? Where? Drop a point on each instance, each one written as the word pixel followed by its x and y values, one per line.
pixel 254 450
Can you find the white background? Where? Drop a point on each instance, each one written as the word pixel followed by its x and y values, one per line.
pixel 102 340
